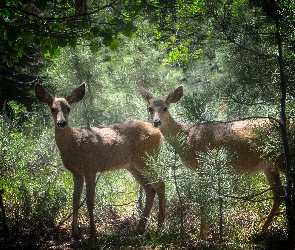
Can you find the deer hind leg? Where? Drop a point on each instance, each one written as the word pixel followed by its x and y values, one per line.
pixel 150 195
pixel 90 193
pixel 274 180
pixel 205 226
pixel 78 187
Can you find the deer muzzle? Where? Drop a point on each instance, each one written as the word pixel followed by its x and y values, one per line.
pixel 156 123
pixel 61 124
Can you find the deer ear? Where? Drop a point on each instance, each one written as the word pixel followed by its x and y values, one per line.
pixel 174 95
pixel 77 95
pixel 145 93
pixel 43 95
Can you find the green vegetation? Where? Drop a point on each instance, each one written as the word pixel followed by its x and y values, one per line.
pixel 235 60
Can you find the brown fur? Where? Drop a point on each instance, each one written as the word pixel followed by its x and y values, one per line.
pixel 239 137
pixel 86 151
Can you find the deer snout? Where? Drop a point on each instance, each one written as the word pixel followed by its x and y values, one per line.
pixel 61 124
pixel 156 123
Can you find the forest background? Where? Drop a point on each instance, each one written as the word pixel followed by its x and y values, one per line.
pixel 235 60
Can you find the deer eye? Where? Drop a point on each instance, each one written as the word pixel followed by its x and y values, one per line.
pixel 52 110
pixel 165 109
pixel 150 110
pixel 69 109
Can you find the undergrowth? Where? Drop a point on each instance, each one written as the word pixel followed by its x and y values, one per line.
pixel 38 200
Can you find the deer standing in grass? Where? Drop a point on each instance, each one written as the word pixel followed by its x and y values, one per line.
pixel 236 136
pixel 86 151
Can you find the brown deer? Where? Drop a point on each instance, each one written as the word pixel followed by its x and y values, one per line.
pixel 237 136
pixel 86 151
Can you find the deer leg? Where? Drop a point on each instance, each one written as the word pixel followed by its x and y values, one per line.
pixel 78 187
pixel 274 180
pixel 90 190
pixel 150 195
pixel 204 227
pixel 160 190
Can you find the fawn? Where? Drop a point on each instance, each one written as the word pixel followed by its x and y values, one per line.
pixel 86 151
pixel 236 136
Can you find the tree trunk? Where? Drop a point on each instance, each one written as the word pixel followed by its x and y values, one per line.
pixel 290 188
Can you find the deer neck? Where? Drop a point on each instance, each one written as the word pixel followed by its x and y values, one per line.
pixel 63 137
pixel 171 127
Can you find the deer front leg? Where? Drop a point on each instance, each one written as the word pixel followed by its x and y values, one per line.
pixel 90 189
pixel 150 195
pixel 78 187
pixel 204 227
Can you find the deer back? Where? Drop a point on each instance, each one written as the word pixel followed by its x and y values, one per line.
pixel 118 146
pixel 240 138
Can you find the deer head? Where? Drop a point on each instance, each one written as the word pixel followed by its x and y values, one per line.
pixel 158 108
pixel 60 107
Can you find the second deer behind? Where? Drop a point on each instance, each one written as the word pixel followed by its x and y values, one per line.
pixel 236 136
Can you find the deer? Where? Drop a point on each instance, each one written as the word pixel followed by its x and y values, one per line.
pixel 87 150
pixel 236 136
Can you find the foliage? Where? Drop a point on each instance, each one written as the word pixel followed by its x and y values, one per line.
pixel 53 24
pixel 30 179
pixel 238 43
pixel 110 77
pixel 236 75
pixel 16 83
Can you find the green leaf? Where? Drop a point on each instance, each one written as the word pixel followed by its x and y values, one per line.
pixel 106 42
pixel 128 30
pixel 135 8
pixel 10 64
pixel 55 26
pixel 47 54
pixel 95 30
pixel 107 37
pixel 150 9
pixel 114 44
pixel 94 47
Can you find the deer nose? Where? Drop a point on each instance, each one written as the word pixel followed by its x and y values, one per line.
pixel 61 124
pixel 156 123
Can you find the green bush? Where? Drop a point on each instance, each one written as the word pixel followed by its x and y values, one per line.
pixel 31 171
